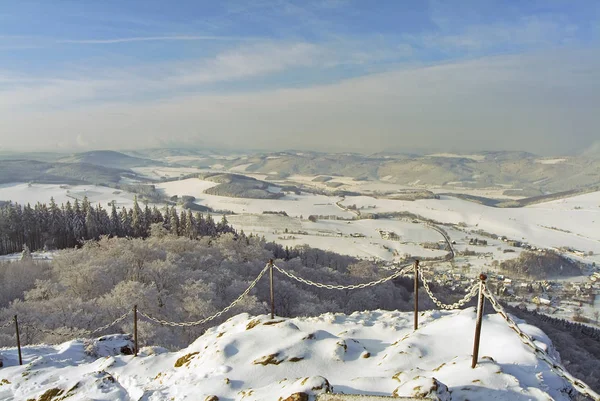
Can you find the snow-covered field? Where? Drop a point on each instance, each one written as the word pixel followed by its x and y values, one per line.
pixel 293 205
pixel 255 358
pixel 32 193
pixel 546 225
pixel 572 222
pixel 155 172
pixel 191 186
pixel 359 238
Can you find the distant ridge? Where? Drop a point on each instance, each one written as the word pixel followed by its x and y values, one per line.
pixel 110 158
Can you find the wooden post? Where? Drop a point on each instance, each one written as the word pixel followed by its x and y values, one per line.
pixel 272 291
pixel 416 294
pixel 135 334
pixel 18 340
pixel 482 278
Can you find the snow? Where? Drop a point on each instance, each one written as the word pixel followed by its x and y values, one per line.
pixel 156 172
pixel 32 193
pixel 454 155
pixel 547 225
pixel 294 205
pixel 191 186
pixel 551 161
pixel 256 358
pixel 240 168
pixel 47 256
pixel 336 235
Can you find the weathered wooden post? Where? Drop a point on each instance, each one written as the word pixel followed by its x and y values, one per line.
pixel 272 291
pixel 482 278
pixel 416 294
pixel 135 334
pixel 18 340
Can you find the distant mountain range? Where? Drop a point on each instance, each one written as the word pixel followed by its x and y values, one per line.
pixel 520 174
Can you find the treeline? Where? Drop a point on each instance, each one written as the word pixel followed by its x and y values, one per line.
pixel 68 225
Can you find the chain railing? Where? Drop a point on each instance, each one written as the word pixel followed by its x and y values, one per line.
pixel 471 292
pixel 212 317
pixel 399 273
pixel 558 368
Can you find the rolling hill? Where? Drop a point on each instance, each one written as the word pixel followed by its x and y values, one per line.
pixel 109 158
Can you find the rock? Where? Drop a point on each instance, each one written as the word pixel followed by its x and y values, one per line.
pixel 211 398
pixel 297 397
pixel 110 345
pixel 427 388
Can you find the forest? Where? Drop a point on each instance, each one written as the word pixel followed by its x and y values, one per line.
pixel 44 227
pixel 179 279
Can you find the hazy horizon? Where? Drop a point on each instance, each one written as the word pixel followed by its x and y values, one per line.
pixel 329 76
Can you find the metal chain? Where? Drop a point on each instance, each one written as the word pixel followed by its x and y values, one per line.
pixel 469 295
pixel 117 320
pixel 207 319
pixel 8 323
pixel 343 287
pixel 540 353
pixel 77 331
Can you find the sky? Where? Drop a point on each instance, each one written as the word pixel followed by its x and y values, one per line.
pixel 329 75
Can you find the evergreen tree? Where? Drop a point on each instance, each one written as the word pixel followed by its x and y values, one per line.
pixel 125 222
pixel 91 224
pixel 69 215
pixel 174 222
pixel 137 223
pixel 192 225
pixel 115 222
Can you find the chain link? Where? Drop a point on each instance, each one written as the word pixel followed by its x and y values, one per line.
pixel 5 325
pixel 63 332
pixel 343 287
pixel 117 320
pixel 468 296
pixel 540 353
pixel 207 319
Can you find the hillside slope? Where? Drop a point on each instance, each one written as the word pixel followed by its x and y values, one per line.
pixel 109 158
pixel 255 358
pixel 58 173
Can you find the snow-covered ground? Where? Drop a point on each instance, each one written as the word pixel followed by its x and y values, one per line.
pixel 546 225
pixel 294 205
pixel 156 172
pixel 255 358
pixel 359 238
pixel 191 186
pixel 32 193
pixel 46 256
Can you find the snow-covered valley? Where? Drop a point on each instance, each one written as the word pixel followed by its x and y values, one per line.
pixel 256 358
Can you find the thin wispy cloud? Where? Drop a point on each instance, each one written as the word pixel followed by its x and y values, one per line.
pixel 158 39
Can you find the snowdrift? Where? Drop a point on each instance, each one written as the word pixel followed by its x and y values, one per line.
pixel 256 358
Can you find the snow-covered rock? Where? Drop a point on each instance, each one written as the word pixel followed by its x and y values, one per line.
pixel 256 358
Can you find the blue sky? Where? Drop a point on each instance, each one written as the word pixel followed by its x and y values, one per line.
pixel 399 75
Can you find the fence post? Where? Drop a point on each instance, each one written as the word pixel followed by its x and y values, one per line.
pixel 272 291
pixel 135 334
pixel 416 294
pixel 482 278
pixel 18 340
